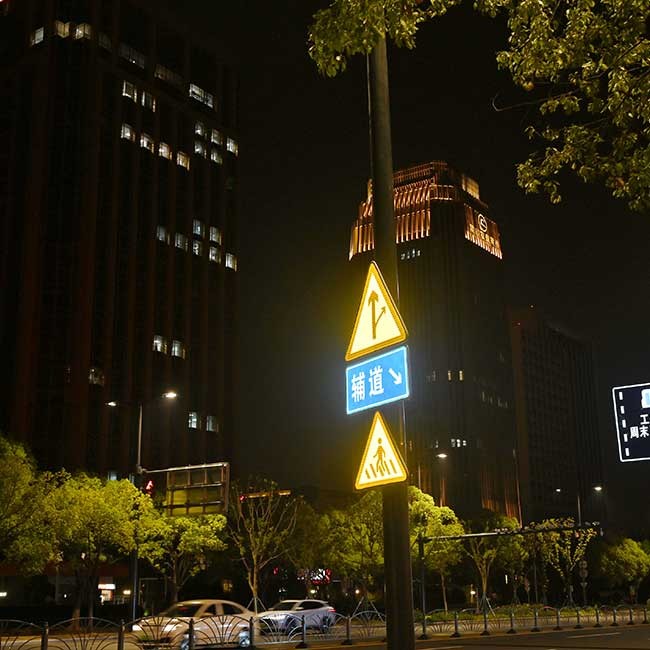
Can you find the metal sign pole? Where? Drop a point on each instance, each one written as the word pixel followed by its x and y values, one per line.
pixel 397 557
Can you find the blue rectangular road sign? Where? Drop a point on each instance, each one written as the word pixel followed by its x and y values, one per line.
pixel 378 380
pixel 632 413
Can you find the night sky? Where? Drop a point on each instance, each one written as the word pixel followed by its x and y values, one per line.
pixel 304 165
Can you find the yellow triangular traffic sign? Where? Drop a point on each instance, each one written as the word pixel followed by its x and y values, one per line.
pixel 381 462
pixel 378 323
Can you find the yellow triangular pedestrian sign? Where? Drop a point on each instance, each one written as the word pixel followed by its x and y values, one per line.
pixel 381 462
pixel 378 323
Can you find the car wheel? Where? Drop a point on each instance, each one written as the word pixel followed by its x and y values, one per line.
pixel 325 624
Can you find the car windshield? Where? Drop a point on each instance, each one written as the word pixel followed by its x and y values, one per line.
pixel 283 604
pixel 182 609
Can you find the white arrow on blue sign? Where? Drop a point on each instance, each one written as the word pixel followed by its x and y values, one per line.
pixel 378 380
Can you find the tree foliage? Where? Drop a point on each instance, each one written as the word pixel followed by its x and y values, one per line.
pixel 584 64
pixel 180 547
pixel 624 562
pixel 306 549
pixel 26 538
pixel 94 523
pixel 563 549
pixel 261 522
pixel 356 541
pixel 430 521
pixel 483 551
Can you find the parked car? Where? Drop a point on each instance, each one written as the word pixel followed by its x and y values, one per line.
pixel 287 616
pixel 216 623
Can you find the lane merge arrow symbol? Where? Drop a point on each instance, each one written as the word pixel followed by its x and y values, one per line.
pixel 378 323
pixel 372 301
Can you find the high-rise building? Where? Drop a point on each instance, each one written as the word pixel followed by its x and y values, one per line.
pixel 118 217
pixel 460 416
pixel 560 463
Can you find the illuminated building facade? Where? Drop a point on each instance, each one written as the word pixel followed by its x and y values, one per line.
pixel 560 460
pixel 118 209
pixel 460 417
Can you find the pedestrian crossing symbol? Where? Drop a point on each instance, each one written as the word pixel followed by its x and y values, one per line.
pixel 381 463
pixel 378 322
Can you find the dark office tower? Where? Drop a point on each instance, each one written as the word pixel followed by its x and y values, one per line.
pixel 560 465
pixel 118 195
pixel 460 418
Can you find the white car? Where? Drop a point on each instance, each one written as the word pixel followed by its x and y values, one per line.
pixel 287 616
pixel 216 623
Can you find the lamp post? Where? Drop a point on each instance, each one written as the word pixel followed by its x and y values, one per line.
pixel 137 482
pixel 442 478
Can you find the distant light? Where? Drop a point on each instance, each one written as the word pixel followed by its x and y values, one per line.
pixel 357 591
pixel 112 403
pixel 558 490
pixel 108 586
pixel 598 488
pixel 472 593
pixel 3 594
pixel 441 455
pixel 170 394
pixel 312 591
pixel 127 592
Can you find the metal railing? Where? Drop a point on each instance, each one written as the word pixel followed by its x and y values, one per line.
pixel 212 632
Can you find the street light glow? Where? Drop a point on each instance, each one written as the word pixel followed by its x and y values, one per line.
pixel 112 403
pixel 170 394
pixel 558 490
pixel 598 488
pixel 441 455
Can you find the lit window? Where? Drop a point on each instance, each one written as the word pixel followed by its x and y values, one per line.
pixel 231 261
pixel 461 375
pixel 149 101
pixel 178 349
pixel 232 146
pixel 127 132
pixel 37 36
pixel 105 41
pixel 200 148
pixel 168 75
pixel 449 375
pixel 183 159
pixel 214 255
pixel 199 129
pixel 211 423
pixel 180 241
pixel 197 247
pixel 215 156
pixel 215 234
pixel 61 29
pixel 96 376
pixel 197 227
pixel 159 344
pixel 146 142
pixel 129 90
pixel 164 151
pixel 112 475
pixel 193 420
pixel 162 234
pixel 201 95
pixel 132 55
pixel 215 137
pixel 83 30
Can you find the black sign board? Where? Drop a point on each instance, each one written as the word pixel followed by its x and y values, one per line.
pixel 632 413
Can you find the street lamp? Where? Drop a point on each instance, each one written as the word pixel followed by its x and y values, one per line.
pixel 137 482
